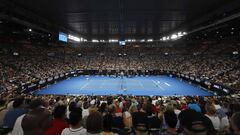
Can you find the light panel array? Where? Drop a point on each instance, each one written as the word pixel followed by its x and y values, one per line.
pixel 76 39
pixel 174 36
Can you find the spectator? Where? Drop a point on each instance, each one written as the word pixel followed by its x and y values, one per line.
pixel 192 123
pixel 211 114
pixel 140 121
pixel 2 104
pixel 94 123
pixel 17 129
pixel 38 119
pixel 3 111
pixel 235 123
pixel 171 121
pixel 127 118
pixel 103 109
pixel 76 128
pixel 59 123
pixel 12 115
pixel 108 124
pixel 85 111
pixel 193 105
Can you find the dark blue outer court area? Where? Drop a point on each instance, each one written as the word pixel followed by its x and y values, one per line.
pixel 104 85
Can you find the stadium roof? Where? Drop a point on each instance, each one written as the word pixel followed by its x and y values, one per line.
pixel 116 18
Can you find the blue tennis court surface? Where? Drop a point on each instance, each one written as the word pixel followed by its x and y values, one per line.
pixel 104 85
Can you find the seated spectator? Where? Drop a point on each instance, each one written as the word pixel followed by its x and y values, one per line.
pixel 85 111
pixel 3 111
pixel 17 129
pixel 211 114
pixel 171 121
pixel 148 106
pixel 192 123
pixel 127 118
pixel 94 123
pixel 235 123
pixel 117 118
pixel 2 104
pixel 183 105
pixel 59 123
pixel 223 119
pixel 118 109
pixel 103 108
pixel 210 128
pixel 108 124
pixel 194 106
pixel 12 115
pixel 140 120
pixel 235 107
pixel 132 109
pixel 71 107
pixel 38 119
pixel 75 120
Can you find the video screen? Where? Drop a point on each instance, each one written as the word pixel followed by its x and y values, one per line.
pixel 62 37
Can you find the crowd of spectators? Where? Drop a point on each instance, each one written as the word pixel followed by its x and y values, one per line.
pixel 109 115
pixel 214 62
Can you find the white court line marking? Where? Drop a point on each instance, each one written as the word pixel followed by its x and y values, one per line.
pixel 167 84
pixel 157 84
pixel 85 85
pixel 140 84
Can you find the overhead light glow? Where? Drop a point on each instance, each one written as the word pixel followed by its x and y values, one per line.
pixel 129 40
pixel 174 36
pixel 74 38
pixel 30 30
pixel 142 40
pixel 95 41
pixel 179 34
pixel 150 40
pixel 112 40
